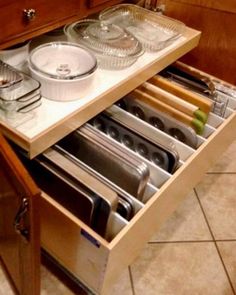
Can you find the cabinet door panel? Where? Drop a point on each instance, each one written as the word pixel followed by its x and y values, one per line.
pixel 19 224
pixel 226 5
pixel 216 52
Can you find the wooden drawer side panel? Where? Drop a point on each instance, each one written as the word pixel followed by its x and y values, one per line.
pixel 73 246
pixel 128 244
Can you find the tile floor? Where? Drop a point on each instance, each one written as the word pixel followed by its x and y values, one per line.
pixel 194 252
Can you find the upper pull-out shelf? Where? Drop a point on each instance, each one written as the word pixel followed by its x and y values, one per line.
pixel 53 120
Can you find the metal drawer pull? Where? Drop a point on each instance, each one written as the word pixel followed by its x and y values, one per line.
pixel 19 223
pixel 29 14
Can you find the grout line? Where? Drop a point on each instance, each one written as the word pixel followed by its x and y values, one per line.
pixel 180 242
pixel 131 280
pixel 226 240
pixel 209 173
pixel 217 248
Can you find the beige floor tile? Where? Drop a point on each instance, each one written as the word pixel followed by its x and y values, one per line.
pixel 227 162
pixel 187 223
pixel 180 269
pixel 123 285
pixel 51 285
pixel 4 285
pixel 228 254
pixel 218 198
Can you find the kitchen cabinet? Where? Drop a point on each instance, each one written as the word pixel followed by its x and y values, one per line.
pixel 19 223
pixel 21 20
pixel 216 52
pixel 24 19
pixel 94 260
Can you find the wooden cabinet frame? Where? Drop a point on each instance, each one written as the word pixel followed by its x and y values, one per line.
pixel 95 261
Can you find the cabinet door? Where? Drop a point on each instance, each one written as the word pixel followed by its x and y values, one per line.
pixel 19 224
pixel 217 48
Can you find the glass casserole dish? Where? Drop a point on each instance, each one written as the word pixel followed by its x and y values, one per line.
pixel 114 47
pixel 154 31
pixel 18 91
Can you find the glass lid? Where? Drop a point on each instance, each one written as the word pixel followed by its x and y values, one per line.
pixel 62 60
pixel 107 38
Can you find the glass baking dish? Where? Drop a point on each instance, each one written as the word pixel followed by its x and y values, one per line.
pixel 114 47
pixel 18 98
pixel 9 78
pixel 154 31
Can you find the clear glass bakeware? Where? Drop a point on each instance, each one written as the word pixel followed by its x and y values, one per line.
pixel 9 78
pixel 154 31
pixel 22 96
pixel 114 47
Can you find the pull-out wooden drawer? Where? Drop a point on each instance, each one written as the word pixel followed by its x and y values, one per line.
pixel 98 262
pixel 43 127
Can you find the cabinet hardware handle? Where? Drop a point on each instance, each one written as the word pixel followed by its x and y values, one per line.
pixel 29 14
pixel 19 222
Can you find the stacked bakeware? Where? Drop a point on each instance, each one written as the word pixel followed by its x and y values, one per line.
pixel 19 93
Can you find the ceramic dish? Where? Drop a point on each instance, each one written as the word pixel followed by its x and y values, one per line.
pixel 154 31
pixel 65 70
pixel 114 47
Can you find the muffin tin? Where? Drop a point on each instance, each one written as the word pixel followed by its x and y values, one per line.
pixel 160 120
pixel 121 129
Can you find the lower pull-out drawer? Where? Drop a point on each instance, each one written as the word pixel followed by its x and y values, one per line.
pixel 97 259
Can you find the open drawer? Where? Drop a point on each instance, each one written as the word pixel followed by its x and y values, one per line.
pixel 97 262
pixel 38 130
pixel 94 260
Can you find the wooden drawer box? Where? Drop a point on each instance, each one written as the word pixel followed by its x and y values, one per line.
pixel 95 261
